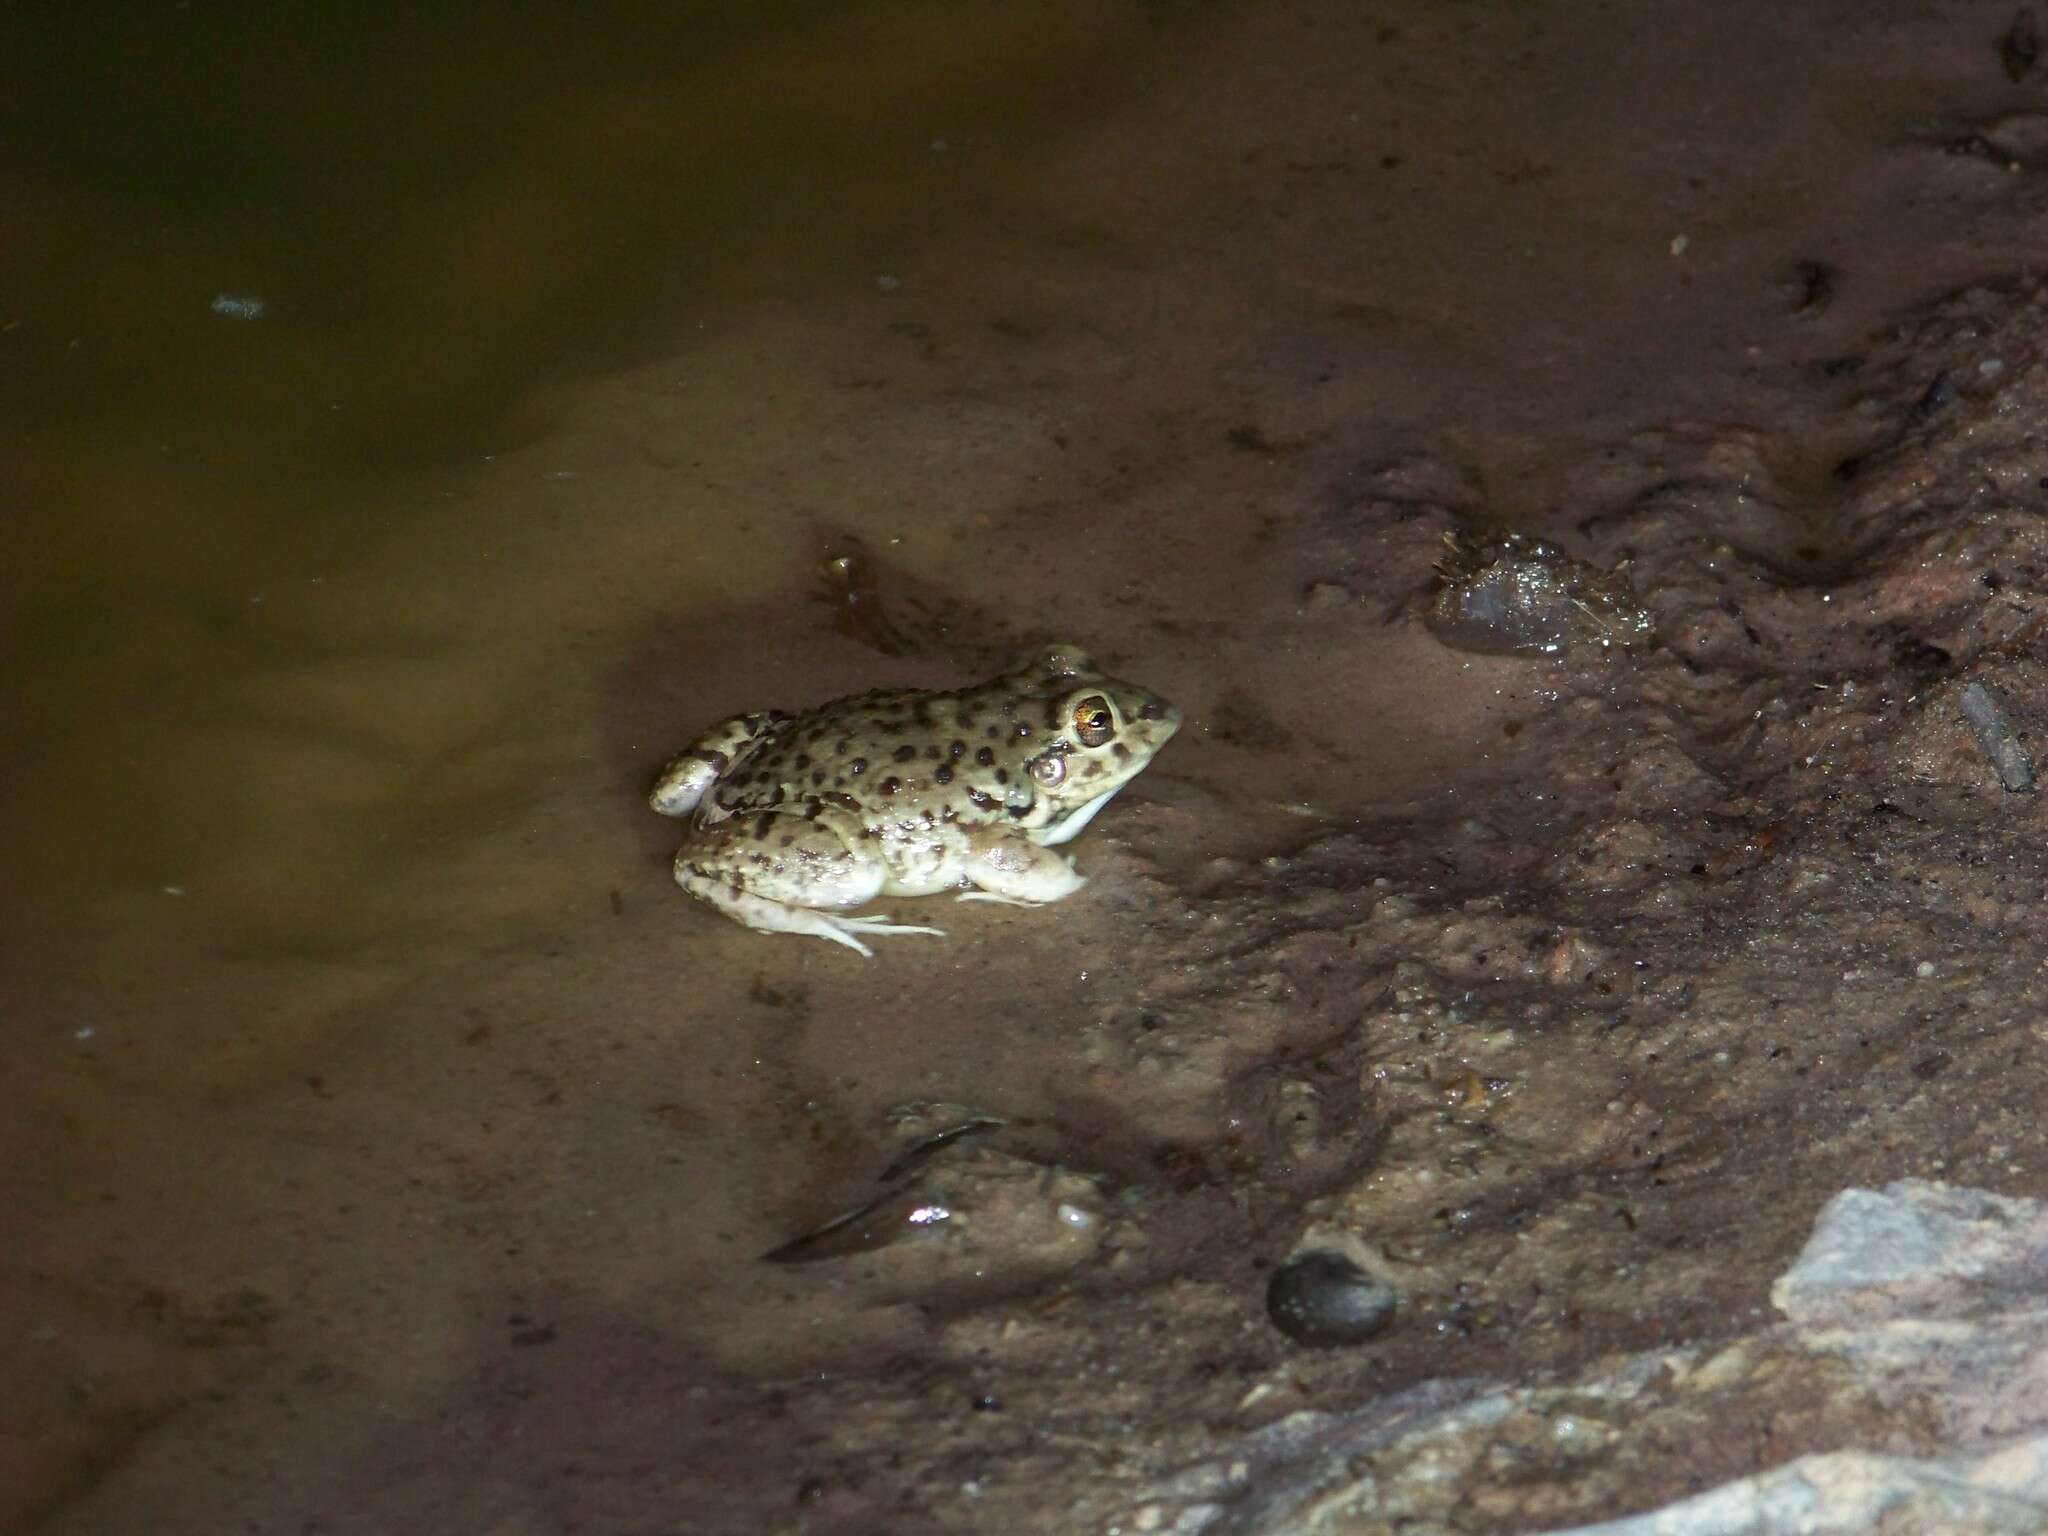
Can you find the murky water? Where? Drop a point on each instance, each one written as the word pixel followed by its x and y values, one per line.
pixel 418 427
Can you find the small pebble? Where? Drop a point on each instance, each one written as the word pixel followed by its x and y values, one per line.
pixel 1997 739
pixel 1323 1300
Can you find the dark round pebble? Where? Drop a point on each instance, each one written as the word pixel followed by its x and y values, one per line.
pixel 1322 1299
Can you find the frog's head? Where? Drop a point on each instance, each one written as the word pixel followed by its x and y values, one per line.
pixel 1099 732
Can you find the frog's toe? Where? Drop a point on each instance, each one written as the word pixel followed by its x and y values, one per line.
pixel 880 927
pixel 828 929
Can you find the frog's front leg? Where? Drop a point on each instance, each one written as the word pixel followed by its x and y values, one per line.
pixel 1004 865
pixel 692 771
pixel 773 872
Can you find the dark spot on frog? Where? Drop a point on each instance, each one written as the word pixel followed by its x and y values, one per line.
pixel 1023 731
pixel 844 802
pixel 905 753
pixel 1119 751
pixel 983 801
pixel 931 752
pixel 957 749
pixel 844 746
pixel 993 732
pixel 890 785
pixel 1002 775
pixel 785 840
pixel 761 827
pixel 1152 709
pixel 857 767
pixel 817 778
pixel 803 761
pixel 942 774
pixel 1018 807
pixel 985 756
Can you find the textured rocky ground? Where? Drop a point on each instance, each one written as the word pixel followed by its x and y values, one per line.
pixel 1572 1063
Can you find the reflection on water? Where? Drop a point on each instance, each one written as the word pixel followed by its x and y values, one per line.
pixel 356 1035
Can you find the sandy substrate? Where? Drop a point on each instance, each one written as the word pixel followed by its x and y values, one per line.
pixel 391 1147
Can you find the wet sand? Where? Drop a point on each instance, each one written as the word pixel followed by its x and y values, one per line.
pixel 363 1054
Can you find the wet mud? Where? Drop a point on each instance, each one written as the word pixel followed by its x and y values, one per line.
pixel 1601 568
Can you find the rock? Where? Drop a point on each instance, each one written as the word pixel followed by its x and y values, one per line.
pixel 1322 1299
pixel 1517 596
pixel 1996 736
pixel 1913 1248
pixel 1918 1303
pixel 1849 1493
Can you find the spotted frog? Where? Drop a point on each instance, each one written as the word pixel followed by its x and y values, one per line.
pixel 796 819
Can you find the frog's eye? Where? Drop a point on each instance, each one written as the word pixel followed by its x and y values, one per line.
pixel 1050 769
pixel 1093 722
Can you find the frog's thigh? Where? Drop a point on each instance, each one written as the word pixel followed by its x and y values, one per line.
pixel 1006 865
pixel 781 857
pixel 774 873
pixel 690 774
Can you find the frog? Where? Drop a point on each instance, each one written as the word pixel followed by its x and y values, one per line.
pixel 795 820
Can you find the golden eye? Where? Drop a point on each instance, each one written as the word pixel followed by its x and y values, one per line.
pixel 1050 770
pixel 1093 722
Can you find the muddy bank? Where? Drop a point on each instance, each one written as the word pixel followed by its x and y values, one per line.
pixel 1571 1063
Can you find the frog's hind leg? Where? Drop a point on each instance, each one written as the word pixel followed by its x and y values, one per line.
pixel 783 873
pixel 841 930
pixel 768 916
pixel 689 775
pixel 1005 866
